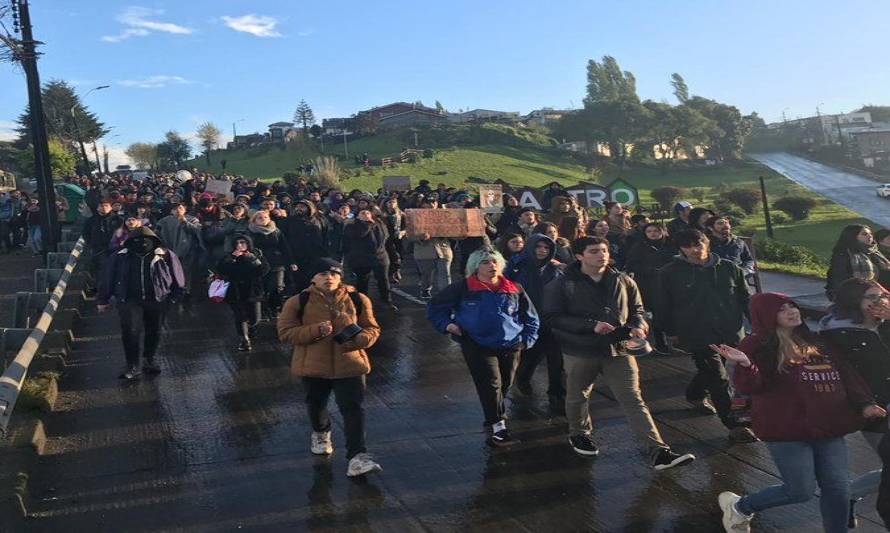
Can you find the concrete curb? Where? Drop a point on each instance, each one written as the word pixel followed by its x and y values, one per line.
pixel 19 455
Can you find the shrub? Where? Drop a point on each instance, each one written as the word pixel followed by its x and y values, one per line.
pixel 797 207
pixel 746 199
pixel 668 195
pixel 428 152
pixel 778 218
pixel 327 171
pixel 779 252
pixel 290 177
pixel 698 194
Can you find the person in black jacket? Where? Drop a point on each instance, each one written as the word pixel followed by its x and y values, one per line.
pixel 395 221
pixel 591 309
pixel 97 232
pixel 337 221
pixel 306 233
pixel 856 331
pixel 364 245
pixel 647 256
pixel 855 255
pixel 269 240
pixel 244 268
pixel 702 301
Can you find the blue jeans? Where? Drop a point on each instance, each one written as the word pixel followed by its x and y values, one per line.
pixel 803 465
pixel 36 239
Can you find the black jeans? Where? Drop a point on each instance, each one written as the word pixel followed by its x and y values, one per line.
pixel 380 275
pixel 273 286
pixel 711 379
pixel 247 316
pixel 349 394
pixel 546 348
pixel 139 318
pixel 493 372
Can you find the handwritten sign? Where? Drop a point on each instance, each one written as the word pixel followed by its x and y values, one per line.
pixel 491 198
pixel 445 222
pixel 396 183
pixel 220 188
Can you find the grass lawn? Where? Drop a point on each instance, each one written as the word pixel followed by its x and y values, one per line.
pixel 537 165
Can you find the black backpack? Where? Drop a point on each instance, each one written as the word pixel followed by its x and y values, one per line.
pixel 354 296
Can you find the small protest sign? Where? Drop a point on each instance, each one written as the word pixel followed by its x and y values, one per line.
pixel 220 187
pixel 491 198
pixel 445 222
pixel 396 183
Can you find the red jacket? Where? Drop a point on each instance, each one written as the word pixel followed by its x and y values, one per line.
pixel 819 399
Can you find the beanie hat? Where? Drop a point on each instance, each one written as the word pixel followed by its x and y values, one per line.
pixel 326 264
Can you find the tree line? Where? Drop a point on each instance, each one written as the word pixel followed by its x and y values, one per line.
pixel 615 116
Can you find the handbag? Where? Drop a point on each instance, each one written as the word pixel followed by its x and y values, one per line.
pixel 217 290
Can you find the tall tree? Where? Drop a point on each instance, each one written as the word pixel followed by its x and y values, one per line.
pixel 304 116
pixel 67 119
pixel 173 151
pixel 727 140
pixel 440 108
pixel 208 135
pixel 61 160
pixel 681 90
pixel 143 155
pixel 606 82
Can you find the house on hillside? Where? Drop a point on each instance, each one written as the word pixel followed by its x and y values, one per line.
pixel 401 114
pixel 337 126
pixel 872 145
pixel 483 115
pixel 279 131
pixel 545 116
pixel 245 141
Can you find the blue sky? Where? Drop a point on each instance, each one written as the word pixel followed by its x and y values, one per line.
pixel 173 65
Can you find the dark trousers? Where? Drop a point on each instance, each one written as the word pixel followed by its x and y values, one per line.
pixel 247 316
pixel 140 318
pixel 380 275
pixel 5 235
pixel 98 258
pixel 712 380
pixel 492 372
pixel 394 252
pixel 546 348
pixel 349 394
pixel 273 286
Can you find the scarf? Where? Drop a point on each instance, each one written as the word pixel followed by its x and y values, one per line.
pixel 263 230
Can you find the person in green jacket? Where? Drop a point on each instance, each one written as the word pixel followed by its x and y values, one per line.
pixel 701 301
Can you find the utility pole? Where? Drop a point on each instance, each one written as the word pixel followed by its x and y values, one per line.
pixel 83 150
pixel 98 163
pixel 769 220
pixel 105 157
pixel 345 144
pixel 42 169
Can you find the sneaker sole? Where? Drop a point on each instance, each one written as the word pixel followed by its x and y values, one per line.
pixel 372 470
pixel 586 453
pixel 322 452
pixel 679 461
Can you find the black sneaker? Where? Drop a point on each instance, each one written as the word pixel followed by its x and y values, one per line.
pixel 502 439
pixel 583 445
pixel 426 293
pixel 245 346
pixel 664 458
pixel 703 406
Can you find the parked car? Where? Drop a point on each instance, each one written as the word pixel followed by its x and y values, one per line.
pixel 884 190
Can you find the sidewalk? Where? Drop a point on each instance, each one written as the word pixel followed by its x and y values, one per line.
pixel 809 293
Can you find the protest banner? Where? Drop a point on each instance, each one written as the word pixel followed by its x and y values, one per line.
pixel 220 187
pixel 445 222
pixel 396 183
pixel 491 198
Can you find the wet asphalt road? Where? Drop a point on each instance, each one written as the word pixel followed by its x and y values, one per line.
pixel 219 442
pixel 850 190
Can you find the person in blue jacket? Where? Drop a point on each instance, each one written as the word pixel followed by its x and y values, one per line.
pixel 533 268
pixel 494 320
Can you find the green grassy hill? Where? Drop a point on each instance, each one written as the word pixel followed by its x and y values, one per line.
pixel 526 157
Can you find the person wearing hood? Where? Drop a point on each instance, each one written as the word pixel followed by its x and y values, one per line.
pixel 508 218
pixel 182 234
pixel 855 255
pixel 644 260
pixel 244 268
pixel 855 331
pixel 563 246
pixel 509 244
pixel 306 233
pixel 701 301
pixel 338 218
pixel 562 207
pixel 494 320
pixel 592 309
pixel 533 269
pixel 269 240
pixel 804 402
pixel 331 326
pixel 139 279
pixel 364 245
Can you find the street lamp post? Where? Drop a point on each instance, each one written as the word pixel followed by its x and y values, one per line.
pixel 83 150
pixel 234 133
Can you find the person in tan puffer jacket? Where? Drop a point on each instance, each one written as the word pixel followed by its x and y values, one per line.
pixel 330 325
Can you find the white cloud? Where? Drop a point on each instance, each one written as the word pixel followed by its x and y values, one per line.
pixel 154 82
pixel 137 23
pixel 258 25
pixel 116 155
pixel 305 33
pixel 7 130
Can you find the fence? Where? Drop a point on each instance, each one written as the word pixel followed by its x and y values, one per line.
pixel 15 374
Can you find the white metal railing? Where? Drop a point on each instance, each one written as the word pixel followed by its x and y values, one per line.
pixel 12 380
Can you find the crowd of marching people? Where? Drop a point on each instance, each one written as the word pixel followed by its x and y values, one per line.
pixel 583 294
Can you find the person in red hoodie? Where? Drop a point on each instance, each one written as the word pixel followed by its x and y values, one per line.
pixel 803 403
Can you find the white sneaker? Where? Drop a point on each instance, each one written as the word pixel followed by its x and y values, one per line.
pixel 733 520
pixel 321 443
pixel 362 464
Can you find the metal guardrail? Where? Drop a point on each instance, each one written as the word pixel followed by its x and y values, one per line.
pixel 12 380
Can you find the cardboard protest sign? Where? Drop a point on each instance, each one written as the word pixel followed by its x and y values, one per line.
pixel 220 187
pixel 491 198
pixel 445 222
pixel 396 183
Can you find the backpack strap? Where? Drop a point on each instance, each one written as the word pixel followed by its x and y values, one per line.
pixel 304 299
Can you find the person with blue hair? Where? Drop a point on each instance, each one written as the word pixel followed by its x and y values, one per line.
pixel 494 320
